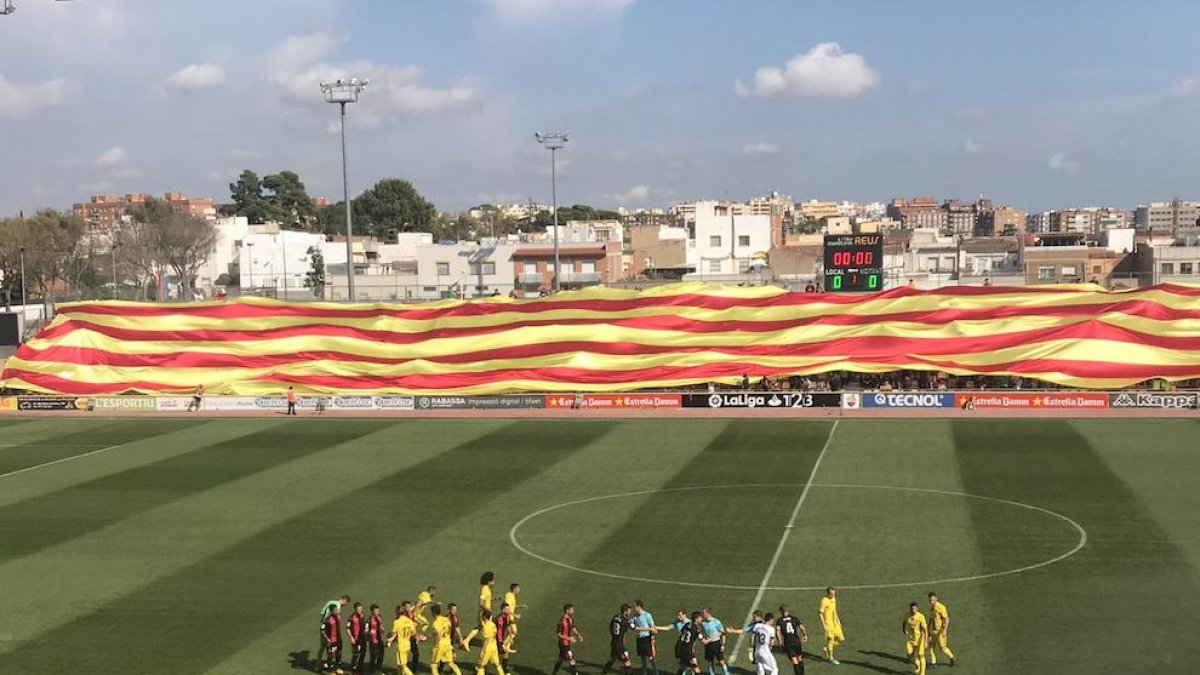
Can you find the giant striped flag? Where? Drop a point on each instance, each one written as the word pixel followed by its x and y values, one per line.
pixel 606 340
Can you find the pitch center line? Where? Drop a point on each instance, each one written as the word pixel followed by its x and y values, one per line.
pixel 787 531
pixel 61 460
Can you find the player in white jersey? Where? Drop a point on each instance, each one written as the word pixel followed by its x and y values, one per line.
pixel 763 635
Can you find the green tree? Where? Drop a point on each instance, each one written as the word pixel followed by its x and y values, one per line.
pixel 289 201
pixel 331 219
pixel 249 200
pixel 392 205
pixel 54 250
pixel 315 277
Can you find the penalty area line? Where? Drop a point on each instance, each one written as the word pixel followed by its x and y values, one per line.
pixel 787 531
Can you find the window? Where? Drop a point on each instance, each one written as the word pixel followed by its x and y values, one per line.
pixel 1168 268
pixel 443 269
pixel 714 266
pixel 743 265
pixel 743 240
pixel 1046 273
pixel 589 267
pixel 1185 268
pixel 931 265
pixel 714 240
pixel 1070 271
pixel 1096 269
pixel 488 268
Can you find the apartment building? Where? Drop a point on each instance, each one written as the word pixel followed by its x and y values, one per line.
pixel 101 212
pixel 1169 216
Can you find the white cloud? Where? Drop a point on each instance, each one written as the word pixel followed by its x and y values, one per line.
pixel 196 76
pixel 638 194
pixel 822 72
pixel 1185 88
pixel 759 149
pixel 115 156
pixel 520 10
pixel 972 146
pixel 300 63
pixel 21 100
pixel 1060 162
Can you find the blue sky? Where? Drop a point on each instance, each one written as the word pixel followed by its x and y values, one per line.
pixel 1039 104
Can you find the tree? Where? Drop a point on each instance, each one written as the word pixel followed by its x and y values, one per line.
pixel 180 241
pixel 53 250
pixel 315 277
pixel 289 200
pixel 249 200
pixel 331 219
pixel 392 205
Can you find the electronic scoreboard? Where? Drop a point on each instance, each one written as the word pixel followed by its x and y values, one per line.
pixel 853 263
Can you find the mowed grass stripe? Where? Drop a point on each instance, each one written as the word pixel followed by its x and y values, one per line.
pixel 206 610
pixel 848 536
pixel 81 441
pixel 36 524
pixel 63 582
pixel 712 536
pixel 1130 582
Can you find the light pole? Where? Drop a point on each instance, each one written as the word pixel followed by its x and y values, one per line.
pixel 23 312
pixel 114 269
pixel 553 141
pixel 250 267
pixel 342 92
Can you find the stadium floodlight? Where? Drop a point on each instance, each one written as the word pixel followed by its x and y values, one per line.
pixel 554 141
pixel 341 92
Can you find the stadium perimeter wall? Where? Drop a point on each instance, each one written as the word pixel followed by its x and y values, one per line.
pixel 721 404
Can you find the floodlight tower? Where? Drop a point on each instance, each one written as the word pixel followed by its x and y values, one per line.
pixel 554 141
pixel 342 92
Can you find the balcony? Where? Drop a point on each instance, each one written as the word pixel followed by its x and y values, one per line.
pixel 579 278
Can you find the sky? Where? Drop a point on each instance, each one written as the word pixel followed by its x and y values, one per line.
pixel 1036 103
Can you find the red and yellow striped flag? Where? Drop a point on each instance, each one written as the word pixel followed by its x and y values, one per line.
pixel 608 340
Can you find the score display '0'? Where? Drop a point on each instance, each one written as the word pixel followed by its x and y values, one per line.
pixel 853 263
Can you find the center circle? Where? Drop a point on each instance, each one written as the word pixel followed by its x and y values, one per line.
pixel 870 536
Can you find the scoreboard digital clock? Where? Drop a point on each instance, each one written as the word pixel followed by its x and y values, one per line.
pixel 853 263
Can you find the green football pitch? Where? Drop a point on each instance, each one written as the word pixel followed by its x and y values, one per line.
pixel 209 545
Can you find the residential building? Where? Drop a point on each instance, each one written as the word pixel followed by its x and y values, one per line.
pixel 655 250
pixel 1001 221
pixel 1177 264
pixel 918 212
pixel 771 204
pixel 1170 216
pixel 276 261
pixel 465 269
pixel 580 265
pixel 960 217
pixel 1038 222
pixel 101 212
pixel 726 243
pixel 991 257
pixel 1056 264
pixel 816 210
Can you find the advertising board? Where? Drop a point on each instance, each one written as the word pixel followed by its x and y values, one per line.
pixel 1152 399
pixel 766 399
pixel 125 403
pixel 901 400
pixel 614 401
pixel 55 403
pixel 519 402
pixel 984 400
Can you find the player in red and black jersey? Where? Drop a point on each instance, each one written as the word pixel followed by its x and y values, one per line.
pixel 331 636
pixel 356 630
pixel 617 628
pixel 504 625
pixel 455 625
pixel 792 635
pixel 567 635
pixel 376 638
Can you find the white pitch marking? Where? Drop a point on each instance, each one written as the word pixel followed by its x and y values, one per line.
pixel 512 537
pixel 61 460
pixel 787 531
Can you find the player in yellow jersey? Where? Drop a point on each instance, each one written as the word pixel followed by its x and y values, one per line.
pixel 424 600
pixel 443 649
pixel 916 634
pixel 404 630
pixel 486 581
pixel 489 651
pixel 510 599
pixel 939 630
pixel 832 623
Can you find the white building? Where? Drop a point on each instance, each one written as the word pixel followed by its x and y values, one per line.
pixel 467 269
pixel 278 261
pixel 726 244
